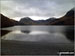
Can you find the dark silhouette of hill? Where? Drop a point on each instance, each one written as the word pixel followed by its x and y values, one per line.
pixel 27 21
pixel 68 19
pixel 7 22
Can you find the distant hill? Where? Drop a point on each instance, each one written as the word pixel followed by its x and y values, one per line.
pixel 7 22
pixel 29 21
pixel 68 19
pixel 26 21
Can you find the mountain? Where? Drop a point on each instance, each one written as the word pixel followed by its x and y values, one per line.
pixel 7 22
pixel 50 20
pixel 68 19
pixel 26 21
pixel 29 21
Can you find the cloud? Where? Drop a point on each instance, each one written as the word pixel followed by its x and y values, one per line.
pixel 41 8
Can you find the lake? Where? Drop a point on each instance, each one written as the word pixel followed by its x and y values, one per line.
pixel 58 37
pixel 52 34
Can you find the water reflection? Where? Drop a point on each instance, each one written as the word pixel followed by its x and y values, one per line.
pixel 4 32
pixel 25 31
pixel 38 32
pixel 69 32
pixel 51 34
pixel 37 28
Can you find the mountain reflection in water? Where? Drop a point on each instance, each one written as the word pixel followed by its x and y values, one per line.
pixel 52 34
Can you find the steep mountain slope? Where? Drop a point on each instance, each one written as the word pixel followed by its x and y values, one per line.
pixel 68 19
pixel 7 22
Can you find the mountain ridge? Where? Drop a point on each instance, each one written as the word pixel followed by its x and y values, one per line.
pixel 67 19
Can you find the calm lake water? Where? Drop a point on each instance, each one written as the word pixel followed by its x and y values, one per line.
pixel 37 40
pixel 48 34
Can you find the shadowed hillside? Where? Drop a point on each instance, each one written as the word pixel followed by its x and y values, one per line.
pixel 68 19
pixel 7 22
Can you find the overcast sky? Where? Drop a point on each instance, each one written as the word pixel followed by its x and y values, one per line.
pixel 36 9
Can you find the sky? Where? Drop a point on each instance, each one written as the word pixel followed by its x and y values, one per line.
pixel 35 9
